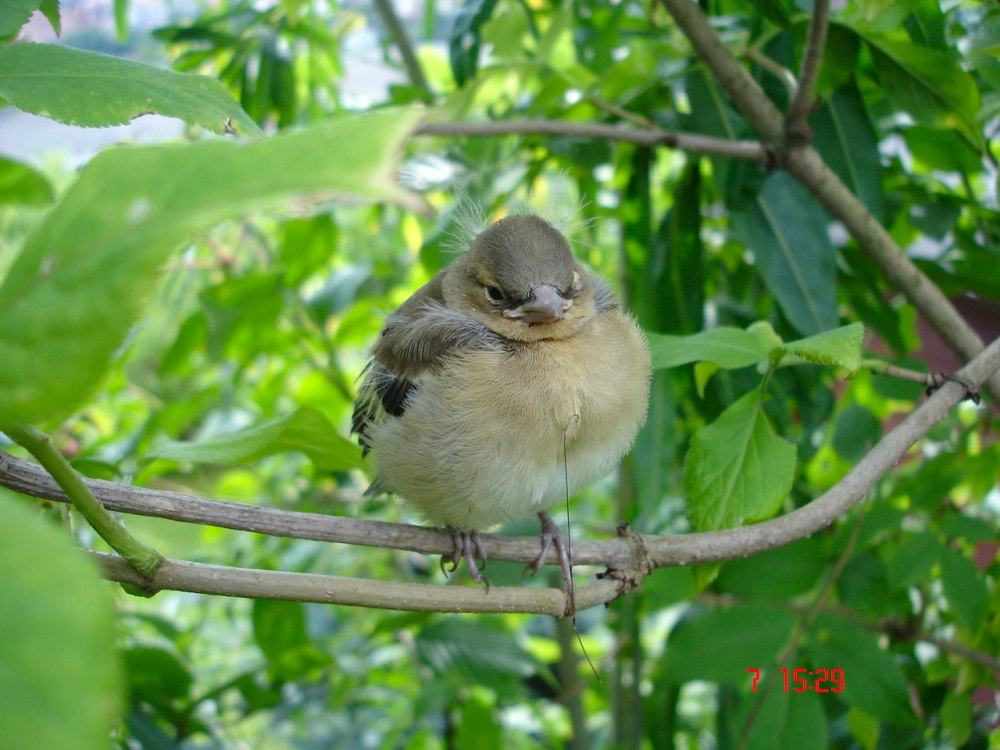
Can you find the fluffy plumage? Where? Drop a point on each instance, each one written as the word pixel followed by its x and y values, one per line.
pixel 507 363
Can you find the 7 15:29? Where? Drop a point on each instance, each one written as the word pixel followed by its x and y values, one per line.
pixel 804 680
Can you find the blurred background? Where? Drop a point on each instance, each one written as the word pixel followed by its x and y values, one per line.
pixel 263 316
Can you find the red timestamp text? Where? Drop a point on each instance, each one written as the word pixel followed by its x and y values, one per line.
pixel 802 680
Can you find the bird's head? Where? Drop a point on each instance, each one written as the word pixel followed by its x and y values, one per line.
pixel 520 279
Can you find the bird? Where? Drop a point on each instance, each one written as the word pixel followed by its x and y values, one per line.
pixel 506 383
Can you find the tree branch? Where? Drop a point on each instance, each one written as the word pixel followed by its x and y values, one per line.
pixel 835 502
pixel 734 78
pixel 692 142
pixel 141 559
pixel 796 125
pixel 629 557
pixel 218 580
pixel 808 167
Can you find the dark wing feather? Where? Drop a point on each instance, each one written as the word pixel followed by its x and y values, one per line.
pixel 414 341
pixel 382 393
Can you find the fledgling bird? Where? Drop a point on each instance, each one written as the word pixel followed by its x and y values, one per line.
pixel 511 378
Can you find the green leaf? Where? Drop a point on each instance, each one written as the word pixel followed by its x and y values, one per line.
pixel 84 274
pixel 479 724
pixel 786 721
pixel 20 184
pixel 712 113
pixel 279 629
pixel 926 83
pixel 720 644
pixel 856 431
pixel 848 143
pixel 463 45
pixel 726 347
pixel 840 58
pixel 786 230
pixel 60 683
pixel 957 718
pixel 964 588
pixel 157 676
pixel 50 9
pixel 246 307
pixel 864 582
pixel 14 14
pixel 473 652
pixel 668 294
pixel 789 570
pixel 305 430
pixel 957 525
pixel 864 728
pixel 914 559
pixel 774 11
pixel 942 149
pixel 840 347
pixel 937 216
pixel 738 469
pixel 255 692
pixel 882 14
pixel 983 49
pixel 93 89
pixel 873 682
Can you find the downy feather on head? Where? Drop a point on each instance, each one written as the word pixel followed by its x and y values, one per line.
pixel 554 199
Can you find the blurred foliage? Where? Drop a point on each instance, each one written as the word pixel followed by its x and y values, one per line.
pixel 236 381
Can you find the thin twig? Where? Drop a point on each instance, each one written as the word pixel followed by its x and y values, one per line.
pixel 780 72
pixel 901 373
pixel 398 33
pixel 620 112
pixel 959 649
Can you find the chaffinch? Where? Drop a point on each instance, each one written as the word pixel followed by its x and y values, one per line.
pixel 510 374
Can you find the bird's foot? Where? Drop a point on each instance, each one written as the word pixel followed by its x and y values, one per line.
pixel 467 546
pixel 551 537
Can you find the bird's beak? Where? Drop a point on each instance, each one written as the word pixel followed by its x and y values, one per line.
pixel 545 305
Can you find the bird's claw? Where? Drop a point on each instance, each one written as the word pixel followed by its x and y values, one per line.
pixel 466 546
pixel 551 537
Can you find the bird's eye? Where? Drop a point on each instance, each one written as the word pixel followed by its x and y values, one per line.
pixel 494 293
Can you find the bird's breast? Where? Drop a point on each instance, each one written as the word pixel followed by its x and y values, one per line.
pixel 492 435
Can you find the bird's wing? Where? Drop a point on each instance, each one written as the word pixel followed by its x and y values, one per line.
pixel 604 298
pixel 415 339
